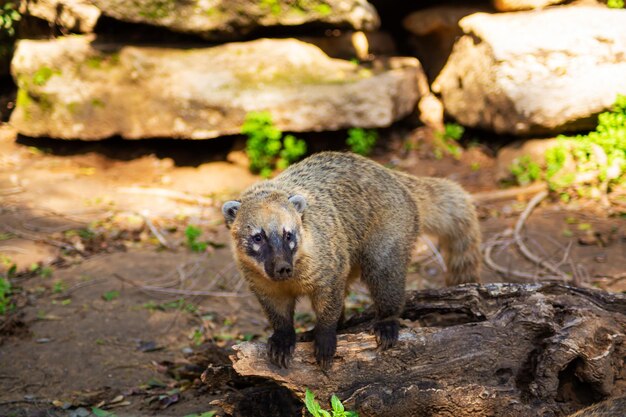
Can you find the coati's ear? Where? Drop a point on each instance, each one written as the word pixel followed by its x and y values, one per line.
pixel 298 202
pixel 229 210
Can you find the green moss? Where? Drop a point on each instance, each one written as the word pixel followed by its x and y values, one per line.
pixel 101 62
pixel 73 107
pixel 96 102
pixel 255 77
pixel 157 9
pixel 323 9
pixel 23 99
pixel 272 5
pixel 94 62
pixel 43 74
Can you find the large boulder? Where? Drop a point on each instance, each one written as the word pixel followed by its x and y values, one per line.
pixel 75 88
pixel 232 19
pixel 434 30
pixel 517 5
pixel 536 72
pixel 75 15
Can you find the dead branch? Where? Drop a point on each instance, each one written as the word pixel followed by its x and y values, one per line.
pixel 510 193
pixel 179 291
pixel 162 240
pixel 517 234
pixel 494 350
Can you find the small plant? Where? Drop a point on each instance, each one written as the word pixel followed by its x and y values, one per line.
pixel 205 414
pixel 361 141
pixel 316 410
pixel 595 161
pixel 110 295
pixel 197 337
pixel 525 170
pixel 5 293
pixel 9 16
pixel 448 140
pixel 602 151
pixel 99 412
pixel 615 4
pixel 58 287
pixel 266 148
pixel 192 233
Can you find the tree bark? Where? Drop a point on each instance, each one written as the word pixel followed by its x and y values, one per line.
pixel 494 350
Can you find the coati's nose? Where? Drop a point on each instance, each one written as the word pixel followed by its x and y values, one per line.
pixel 283 270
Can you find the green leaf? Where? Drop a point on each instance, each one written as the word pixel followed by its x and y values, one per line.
pixel 310 403
pixel 336 404
pixel 110 295
pixel 99 412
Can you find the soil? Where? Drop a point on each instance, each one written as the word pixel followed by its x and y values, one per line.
pixel 109 314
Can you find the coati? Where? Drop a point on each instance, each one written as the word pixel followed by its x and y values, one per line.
pixel 613 407
pixel 332 217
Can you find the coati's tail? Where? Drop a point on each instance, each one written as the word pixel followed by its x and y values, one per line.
pixel 447 212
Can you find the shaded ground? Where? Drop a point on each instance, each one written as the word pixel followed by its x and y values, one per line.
pixel 89 328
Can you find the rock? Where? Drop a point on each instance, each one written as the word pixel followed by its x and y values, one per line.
pixel 436 29
pixel 75 15
pixel 534 148
pixel 350 44
pixel 539 72
pixel 228 19
pixel 431 112
pixel 77 88
pixel 517 5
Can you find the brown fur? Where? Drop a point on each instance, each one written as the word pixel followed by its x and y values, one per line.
pixel 614 407
pixel 360 219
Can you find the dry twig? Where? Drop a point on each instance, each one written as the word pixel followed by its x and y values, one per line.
pixel 519 241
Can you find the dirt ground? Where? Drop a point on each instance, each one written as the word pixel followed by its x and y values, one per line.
pixel 113 308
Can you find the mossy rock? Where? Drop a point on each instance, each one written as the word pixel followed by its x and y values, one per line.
pixel 76 88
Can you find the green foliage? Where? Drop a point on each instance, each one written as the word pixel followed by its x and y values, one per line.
pixel 601 154
pixel 316 410
pixel 110 295
pixel 525 170
pixel 362 141
pixel 615 4
pixel 205 414
pixel 602 150
pixel 99 412
pixel 192 233
pixel 266 148
pixel 58 287
pixel 9 16
pixel 448 140
pixel 5 293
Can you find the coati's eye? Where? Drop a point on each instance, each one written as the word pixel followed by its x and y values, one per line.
pixel 288 236
pixel 257 238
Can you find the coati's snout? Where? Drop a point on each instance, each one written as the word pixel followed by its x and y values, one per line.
pixel 267 233
pixel 278 262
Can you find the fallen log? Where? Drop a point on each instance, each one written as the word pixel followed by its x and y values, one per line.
pixel 509 350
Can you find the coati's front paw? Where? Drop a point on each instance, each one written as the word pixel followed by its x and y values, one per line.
pixel 387 332
pixel 325 348
pixel 280 347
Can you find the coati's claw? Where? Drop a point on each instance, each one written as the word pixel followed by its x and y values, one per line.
pixel 325 348
pixel 386 332
pixel 280 347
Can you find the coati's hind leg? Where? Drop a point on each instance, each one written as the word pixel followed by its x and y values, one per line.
pixel 384 272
